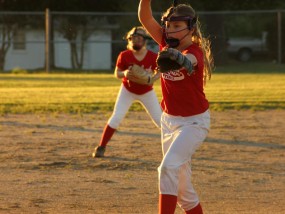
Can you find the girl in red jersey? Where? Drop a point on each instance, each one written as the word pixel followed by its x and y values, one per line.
pixel 185 120
pixel 130 91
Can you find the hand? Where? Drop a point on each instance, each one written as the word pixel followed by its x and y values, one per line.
pixel 127 72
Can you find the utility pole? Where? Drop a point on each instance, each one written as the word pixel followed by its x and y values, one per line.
pixel 47 41
pixel 279 37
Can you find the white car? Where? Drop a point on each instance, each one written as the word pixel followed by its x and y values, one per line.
pixel 244 48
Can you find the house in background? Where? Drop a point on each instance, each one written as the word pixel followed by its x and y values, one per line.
pixel 97 55
pixel 27 50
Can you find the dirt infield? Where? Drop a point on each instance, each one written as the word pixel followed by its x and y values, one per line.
pixel 46 164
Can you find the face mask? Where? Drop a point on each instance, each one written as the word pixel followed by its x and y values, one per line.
pixel 137 47
pixel 173 42
pixel 191 21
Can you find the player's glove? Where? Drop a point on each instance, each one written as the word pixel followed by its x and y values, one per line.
pixel 166 61
pixel 172 59
pixel 139 75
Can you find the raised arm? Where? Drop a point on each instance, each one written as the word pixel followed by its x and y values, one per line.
pixel 147 20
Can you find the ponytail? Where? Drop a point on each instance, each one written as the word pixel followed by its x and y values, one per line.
pixel 205 45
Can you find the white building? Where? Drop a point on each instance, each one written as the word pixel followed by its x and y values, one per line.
pixel 27 51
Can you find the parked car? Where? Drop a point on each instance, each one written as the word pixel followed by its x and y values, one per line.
pixel 245 48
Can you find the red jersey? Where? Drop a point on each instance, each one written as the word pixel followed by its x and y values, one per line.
pixel 183 94
pixel 126 59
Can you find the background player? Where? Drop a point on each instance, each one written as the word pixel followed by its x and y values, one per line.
pixel 185 119
pixel 130 91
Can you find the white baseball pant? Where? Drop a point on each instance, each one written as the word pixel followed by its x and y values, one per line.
pixel 124 101
pixel 181 136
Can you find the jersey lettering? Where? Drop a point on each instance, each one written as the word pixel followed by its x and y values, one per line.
pixel 175 75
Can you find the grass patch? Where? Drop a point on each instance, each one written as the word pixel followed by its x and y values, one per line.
pixel 252 67
pixel 86 93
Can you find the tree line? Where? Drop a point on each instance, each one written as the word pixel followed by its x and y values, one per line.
pixel 74 27
pixel 131 5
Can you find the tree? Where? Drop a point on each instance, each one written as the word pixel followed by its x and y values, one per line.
pixel 6 25
pixel 213 24
pixel 10 24
pixel 77 31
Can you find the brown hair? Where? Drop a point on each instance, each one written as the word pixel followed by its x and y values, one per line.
pixel 197 37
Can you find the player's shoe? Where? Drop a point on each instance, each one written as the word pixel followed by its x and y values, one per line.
pixel 98 152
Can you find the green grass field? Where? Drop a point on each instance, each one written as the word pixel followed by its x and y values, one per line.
pixel 84 93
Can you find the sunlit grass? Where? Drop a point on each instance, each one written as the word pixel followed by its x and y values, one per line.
pixel 247 91
pixel 71 93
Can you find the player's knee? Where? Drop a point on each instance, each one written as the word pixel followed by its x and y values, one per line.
pixel 115 121
pixel 166 169
pixel 168 179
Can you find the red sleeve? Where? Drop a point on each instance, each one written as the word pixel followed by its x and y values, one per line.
pixel 198 53
pixel 121 64
pixel 162 43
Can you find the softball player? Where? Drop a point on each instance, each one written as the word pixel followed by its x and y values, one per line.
pixel 130 91
pixel 185 119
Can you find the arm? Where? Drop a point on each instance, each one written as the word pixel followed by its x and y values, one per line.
pixel 192 58
pixel 187 61
pixel 147 20
pixel 119 73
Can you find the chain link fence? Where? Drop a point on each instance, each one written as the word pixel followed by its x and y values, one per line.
pixel 92 41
